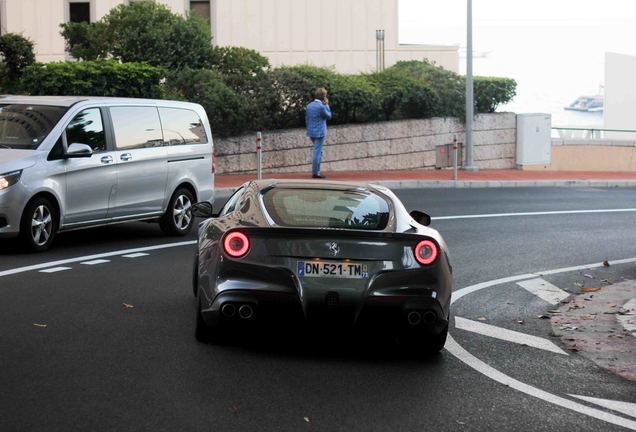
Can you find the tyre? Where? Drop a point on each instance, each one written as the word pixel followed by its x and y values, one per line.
pixel 195 275
pixel 178 219
pixel 39 224
pixel 424 344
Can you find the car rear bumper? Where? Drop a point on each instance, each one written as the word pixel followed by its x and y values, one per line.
pixel 395 313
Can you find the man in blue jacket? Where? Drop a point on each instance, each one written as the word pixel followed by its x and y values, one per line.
pixel 316 117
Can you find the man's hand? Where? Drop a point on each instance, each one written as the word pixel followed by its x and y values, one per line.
pixel 325 101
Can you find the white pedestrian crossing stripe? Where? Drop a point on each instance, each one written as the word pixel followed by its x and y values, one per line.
pixel 507 335
pixel 544 290
pixel 627 408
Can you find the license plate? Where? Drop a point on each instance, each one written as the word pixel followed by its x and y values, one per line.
pixel 333 269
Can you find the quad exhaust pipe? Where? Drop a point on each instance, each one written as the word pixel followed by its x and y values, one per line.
pixel 416 318
pixel 228 310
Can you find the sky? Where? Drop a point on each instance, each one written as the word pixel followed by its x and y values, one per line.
pixel 555 49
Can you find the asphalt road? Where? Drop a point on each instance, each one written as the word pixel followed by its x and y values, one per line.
pixel 100 365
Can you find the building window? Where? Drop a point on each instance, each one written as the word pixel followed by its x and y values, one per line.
pixel 201 7
pixel 79 12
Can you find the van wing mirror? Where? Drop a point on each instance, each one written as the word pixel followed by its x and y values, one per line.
pixel 203 209
pixel 77 150
pixel 421 217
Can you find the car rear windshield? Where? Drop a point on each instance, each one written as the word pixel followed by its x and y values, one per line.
pixel 25 126
pixel 326 208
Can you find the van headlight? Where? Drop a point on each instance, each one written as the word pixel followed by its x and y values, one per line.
pixel 9 179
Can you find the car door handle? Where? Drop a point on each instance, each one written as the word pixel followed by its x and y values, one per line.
pixel 106 159
pixel 126 157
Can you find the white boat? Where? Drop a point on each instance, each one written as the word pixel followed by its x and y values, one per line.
pixel 592 103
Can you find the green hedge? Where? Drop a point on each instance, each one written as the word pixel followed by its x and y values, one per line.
pixel 93 78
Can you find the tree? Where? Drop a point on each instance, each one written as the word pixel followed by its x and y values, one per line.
pixel 17 53
pixel 143 31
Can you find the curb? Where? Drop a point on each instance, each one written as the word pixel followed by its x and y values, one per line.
pixel 423 184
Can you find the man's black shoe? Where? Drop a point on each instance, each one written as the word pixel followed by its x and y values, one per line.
pixel 320 176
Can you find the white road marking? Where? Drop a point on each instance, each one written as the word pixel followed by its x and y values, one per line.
pixel 54 269
pixel 135 255
pixel 95 262
pixel 628 321
pixel 507 335
pixel 92 257
pixel 628 408
pixel 458 351
pixel 544 290
pixel 558 212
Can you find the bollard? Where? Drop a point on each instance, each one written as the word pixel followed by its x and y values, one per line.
pixel 455 149
pixel 259 155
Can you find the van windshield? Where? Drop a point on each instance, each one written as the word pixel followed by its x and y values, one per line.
pixel 24 126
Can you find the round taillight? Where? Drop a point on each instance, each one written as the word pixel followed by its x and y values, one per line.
pixel 236 244
pixel 426 252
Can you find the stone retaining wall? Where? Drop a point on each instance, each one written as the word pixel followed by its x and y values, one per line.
pixel 404 144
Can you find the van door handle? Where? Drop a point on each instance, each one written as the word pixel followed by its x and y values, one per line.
pixel 107 159
pixel 125 156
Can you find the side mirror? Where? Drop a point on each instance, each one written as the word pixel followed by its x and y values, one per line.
pixel 421 217
pixel 203 209
pixel 77 150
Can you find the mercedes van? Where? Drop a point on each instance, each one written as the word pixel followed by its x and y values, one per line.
pixel 76 162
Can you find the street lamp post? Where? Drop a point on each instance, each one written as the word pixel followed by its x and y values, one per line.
pixel 469 164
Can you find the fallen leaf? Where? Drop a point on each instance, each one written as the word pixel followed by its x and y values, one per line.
pixel 586 317
pixel 543 317
pixel 306 419
pixel 482 319
pixel 573 349
pixel 40 325
pixel 128 306
pixel 589 276
pixel 606 263
pixel 578 284
pixel 589 289
pixel 520 322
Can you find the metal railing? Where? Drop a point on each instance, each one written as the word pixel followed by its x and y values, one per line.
pixel 593 133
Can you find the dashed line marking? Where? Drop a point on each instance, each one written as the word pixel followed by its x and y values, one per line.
pixel 92 257
pixel 507 335
pixel 54 269
pixel 627 408
pixel 135 255
pixel 544 290
pixel 95 262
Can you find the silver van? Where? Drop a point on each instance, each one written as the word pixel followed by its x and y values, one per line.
pixel 76 162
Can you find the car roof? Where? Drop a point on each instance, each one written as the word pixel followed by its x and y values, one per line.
pixel 67 101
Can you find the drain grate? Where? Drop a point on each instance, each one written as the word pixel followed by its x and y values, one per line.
pixel 332 299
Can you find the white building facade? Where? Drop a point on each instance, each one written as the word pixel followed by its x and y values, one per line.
pixel 338 33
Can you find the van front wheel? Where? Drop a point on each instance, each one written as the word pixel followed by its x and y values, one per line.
pixel 178 219
pixel 38 225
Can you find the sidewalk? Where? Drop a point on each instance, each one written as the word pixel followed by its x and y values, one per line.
pixel 409 179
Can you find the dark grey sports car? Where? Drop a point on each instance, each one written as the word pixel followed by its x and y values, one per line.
pixel 321 252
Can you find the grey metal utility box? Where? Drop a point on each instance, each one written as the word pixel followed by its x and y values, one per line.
pixel 444 155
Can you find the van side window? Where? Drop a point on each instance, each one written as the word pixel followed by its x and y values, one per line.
pixel 87 128
pixel 136 127
pixel 182 126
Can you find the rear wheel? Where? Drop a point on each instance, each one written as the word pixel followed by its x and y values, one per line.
pixel 424 345
pixel 39 224
pixel 203 332
pixel 178 219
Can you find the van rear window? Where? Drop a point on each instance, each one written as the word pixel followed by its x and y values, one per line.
pixel 25 126
pixel 182 126
pixel 326 208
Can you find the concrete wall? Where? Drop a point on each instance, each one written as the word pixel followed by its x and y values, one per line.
pixel 620 95
pixel 590 155
pixel 338 33
pixel 405 144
